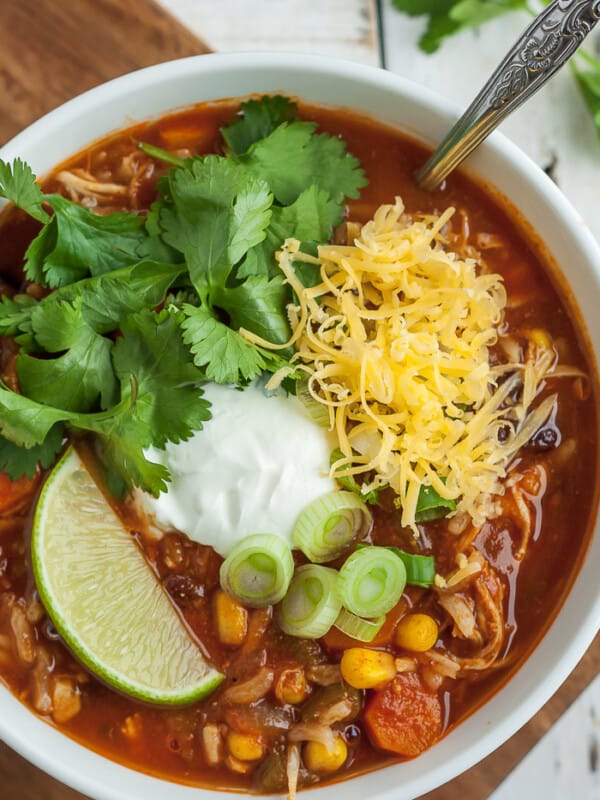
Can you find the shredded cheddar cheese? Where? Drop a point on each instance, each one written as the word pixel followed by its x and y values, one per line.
pixel 396 343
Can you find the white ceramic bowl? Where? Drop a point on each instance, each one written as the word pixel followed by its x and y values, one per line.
pixel 415 110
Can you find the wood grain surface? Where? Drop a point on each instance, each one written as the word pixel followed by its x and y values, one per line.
pixel 52 50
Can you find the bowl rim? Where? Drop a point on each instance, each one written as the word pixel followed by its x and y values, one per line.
pixel 79 767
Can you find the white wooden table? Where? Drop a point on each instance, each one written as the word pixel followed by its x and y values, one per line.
pixel 554 129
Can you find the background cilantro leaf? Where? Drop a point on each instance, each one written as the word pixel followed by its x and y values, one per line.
pixel 258 304
pixel 258 118
pixel 218 212
pixel 19 462
pixel 17 184
pixel 446 17
pixel 169 400
pixel 80 376
pixel 224 355
pixel 588 80
pixel 77 243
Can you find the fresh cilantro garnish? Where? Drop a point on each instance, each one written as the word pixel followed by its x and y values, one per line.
pixel 294 157
pixel 81 371
pixel 214 214
pixel 77 243
pixel 17 184
pixel 447 17
pixel 225 355
pixel 19 461
pixel 169 399
pixel 257 120
pixel 145 309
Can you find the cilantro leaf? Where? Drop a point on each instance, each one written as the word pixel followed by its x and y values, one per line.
pixel 76 243
pixel 25 422
pixel 446 17
pixel 218 213
pixel 258 119
pixel 588 80
pixel 15 313
pixel 18 461
pixel 169 400
pixel 17 184
pixel 108 299
pixel 258 304
pixel 105 300
pixel 294 157
pixel 77 378
pixel 125 464
pixel 221 351
pixel 310 219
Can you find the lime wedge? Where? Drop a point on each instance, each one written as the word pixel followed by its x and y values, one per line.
pixel 103 598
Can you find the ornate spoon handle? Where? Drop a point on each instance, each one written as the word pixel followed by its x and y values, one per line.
pixel 548 42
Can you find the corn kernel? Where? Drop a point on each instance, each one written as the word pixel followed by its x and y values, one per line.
pixel 540 338
pixel 231 619
pixel 417 632
pixel 245 746
pixel 367 669
pixel 291 686
pixel 317 758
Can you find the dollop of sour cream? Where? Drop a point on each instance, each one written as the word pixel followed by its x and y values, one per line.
pixel 252 468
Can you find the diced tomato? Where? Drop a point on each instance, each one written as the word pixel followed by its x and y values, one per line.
pixel 13 493
pixel 405 718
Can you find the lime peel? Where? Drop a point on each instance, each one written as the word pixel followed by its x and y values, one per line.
pixel 104 600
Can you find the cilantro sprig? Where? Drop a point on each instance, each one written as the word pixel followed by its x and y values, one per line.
pixel 444 18
pixel 142 310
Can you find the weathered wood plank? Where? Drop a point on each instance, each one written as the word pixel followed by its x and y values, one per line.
pixel 51 51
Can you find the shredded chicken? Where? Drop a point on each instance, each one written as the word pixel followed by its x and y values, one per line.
pixel 212 743
pixel 324 674
pixel 313 732
pixel 252 689
pixel 462 611
pixel 80 184
pixel 293 770
pixel 66 699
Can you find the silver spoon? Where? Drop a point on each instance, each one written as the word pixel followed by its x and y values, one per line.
pixel 548 42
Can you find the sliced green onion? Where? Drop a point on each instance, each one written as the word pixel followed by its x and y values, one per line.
pixel 365 630
pixel 420 570
pixel 312 603
pixel 328 525
pixel 431 505
pixel 318 412
pixel 258 570
pixel 371 581
pixel 349 482
pixel 160 154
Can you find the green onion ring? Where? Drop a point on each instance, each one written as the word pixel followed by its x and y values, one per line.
pixel 258 570
pixel 365 630
pixel 312 603
pixel 328 525
pixel 371 581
